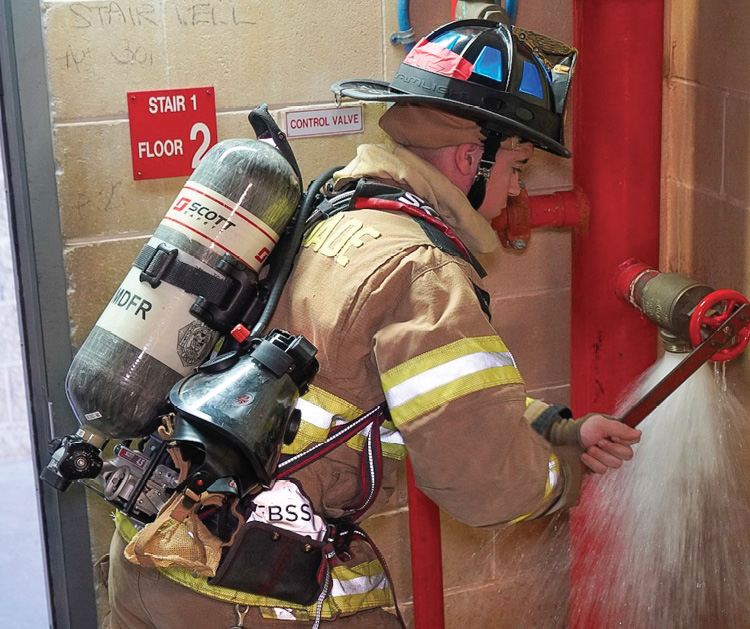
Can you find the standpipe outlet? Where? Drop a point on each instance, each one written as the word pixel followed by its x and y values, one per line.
pixel 565 208
pixel 680 305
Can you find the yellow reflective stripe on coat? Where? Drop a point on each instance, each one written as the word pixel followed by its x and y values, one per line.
pixel 353 589
pixel 554 479
pixel 322 410
pixel 442 375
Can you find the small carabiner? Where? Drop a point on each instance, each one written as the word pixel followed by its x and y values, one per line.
pixel 241 613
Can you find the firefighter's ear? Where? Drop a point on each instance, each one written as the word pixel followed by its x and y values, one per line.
pixel 467 157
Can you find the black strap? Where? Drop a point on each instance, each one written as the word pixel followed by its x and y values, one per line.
pixel 445 244
pixel 551 415
pixel 486 163
pixel 161 264
pixel 371 463
pixel 265 128
pixel 426 217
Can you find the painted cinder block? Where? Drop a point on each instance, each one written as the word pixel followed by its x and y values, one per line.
pixel 737 149
pixel 694 122
pixel 283 52
pixel 97 194
pixel 547 173
pixel 460 541
pixel 97 51
pixel 94 272
pixel 543 265
pixel 711 237
pixel 535 327
pixel 708 41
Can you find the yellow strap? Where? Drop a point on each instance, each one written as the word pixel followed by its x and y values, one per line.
pixel 332 605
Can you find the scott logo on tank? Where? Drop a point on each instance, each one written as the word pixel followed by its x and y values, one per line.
pixel 195 209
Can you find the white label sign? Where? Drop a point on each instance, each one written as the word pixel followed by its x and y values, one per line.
pixel 158 321
pixel 304 123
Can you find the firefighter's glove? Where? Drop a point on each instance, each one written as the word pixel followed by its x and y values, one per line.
pixel 605 442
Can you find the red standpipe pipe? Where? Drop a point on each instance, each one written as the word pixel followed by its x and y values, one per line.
pixel 424 536
pixel 426 557
pixel 617 148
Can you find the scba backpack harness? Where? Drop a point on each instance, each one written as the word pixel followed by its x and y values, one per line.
pixel 258 557
pixel 366 194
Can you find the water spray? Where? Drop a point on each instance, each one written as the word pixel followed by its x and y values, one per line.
pixel 716 323
pixel 662 541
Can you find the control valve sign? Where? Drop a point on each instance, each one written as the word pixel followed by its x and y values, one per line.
pixel 170 130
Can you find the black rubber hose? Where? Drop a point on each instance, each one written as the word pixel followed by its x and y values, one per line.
pixel 291 246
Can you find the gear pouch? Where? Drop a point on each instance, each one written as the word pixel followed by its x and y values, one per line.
pixel 177 537
pixel 271 561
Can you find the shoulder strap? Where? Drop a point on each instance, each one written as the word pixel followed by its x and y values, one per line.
pixel 343 529
pixel 371 462
pixel 373 195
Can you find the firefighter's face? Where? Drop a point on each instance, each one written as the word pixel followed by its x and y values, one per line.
pixel 504 179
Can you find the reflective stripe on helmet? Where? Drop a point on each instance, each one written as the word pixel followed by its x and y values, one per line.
pixel 430 380
pixel 435 58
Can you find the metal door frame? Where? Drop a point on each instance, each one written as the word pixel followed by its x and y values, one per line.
pixel 26 136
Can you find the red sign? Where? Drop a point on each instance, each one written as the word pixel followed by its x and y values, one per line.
pixel 170 130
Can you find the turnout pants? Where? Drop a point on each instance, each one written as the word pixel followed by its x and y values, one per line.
pixel 141 598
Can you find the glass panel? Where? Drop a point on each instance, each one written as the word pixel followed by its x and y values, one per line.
pixel 22 574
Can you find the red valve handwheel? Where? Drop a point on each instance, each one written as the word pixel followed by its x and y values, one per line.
pixel 732 300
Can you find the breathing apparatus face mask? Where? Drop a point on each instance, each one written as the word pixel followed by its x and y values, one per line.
pixel 240 409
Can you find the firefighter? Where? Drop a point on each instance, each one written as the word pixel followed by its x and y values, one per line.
pixel 388 287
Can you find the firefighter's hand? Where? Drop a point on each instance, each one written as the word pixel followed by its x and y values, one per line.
pixel 608 442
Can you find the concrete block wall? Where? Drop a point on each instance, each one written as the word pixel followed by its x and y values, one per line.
pixel 706 149
pixel 287 54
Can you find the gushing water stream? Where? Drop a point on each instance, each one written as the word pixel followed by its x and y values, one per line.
pixel 663 542
pixel 671 527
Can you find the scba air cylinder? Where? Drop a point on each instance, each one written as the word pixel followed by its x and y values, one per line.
pixel 238 201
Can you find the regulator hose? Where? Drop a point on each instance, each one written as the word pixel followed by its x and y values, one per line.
pixel 287 250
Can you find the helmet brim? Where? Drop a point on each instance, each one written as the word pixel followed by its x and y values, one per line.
pixel 380 91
